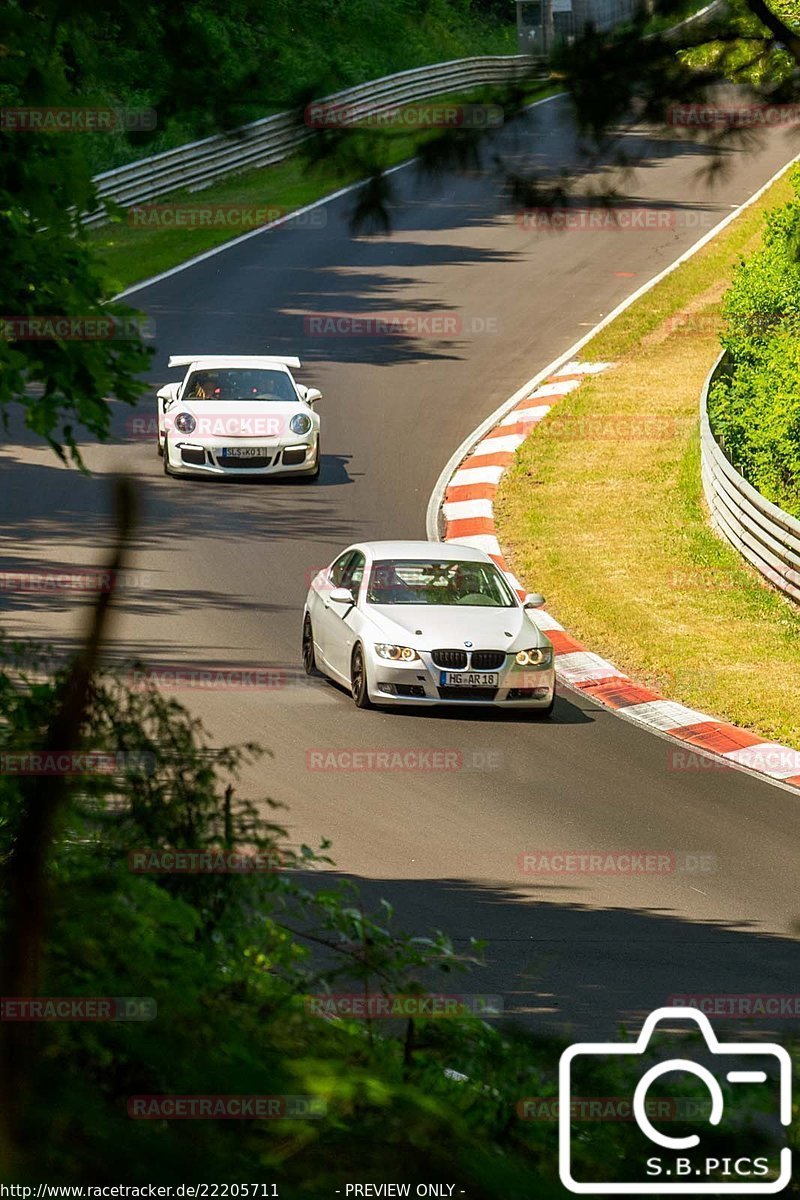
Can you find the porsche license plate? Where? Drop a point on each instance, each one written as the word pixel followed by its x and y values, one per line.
pixel 469 679
pixel 243 451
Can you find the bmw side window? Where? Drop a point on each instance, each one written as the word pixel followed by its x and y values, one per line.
pixel 354 573
pixel 338 569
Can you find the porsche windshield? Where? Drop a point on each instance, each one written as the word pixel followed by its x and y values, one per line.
pixel 453 583
pixel 239 384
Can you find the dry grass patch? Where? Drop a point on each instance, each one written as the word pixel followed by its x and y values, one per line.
pixel 603 512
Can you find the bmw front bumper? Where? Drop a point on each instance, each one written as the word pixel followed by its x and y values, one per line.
pixel 422 683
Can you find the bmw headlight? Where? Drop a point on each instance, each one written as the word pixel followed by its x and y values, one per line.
pixel 185 423
pixel 396 653
pixel 539 656
pixel 300 424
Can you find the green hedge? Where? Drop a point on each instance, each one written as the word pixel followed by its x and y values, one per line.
pixel 204 65
pixel 755 411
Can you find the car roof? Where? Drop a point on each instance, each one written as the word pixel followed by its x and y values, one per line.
pixel 222 361
pixel 437 551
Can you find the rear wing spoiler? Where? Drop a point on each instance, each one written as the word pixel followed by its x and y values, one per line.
pixel 231 360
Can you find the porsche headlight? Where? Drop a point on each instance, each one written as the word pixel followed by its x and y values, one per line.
pixel 396 653
pixel 539 656
pixel 300 424
pixel 185 423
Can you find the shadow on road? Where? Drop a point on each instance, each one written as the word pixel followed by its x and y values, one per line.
pixel 565 967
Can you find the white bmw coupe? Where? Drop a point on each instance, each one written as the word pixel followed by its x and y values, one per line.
pixel 418 623
pixel 238 415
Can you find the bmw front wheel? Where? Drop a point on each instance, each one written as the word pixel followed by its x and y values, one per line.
pixel 309 661
pixel 358 679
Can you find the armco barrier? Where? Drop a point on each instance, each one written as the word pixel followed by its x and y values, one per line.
pixel 764 534
pixel 273 138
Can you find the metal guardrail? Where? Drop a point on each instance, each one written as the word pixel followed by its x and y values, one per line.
pixel 703 17
pixel 272 139
pixel 764 534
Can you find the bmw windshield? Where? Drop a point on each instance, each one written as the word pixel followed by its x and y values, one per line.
pixel 449 583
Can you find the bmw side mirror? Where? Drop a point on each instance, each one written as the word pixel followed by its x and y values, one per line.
pixel 341 596
pixel 533 600
pixel 313 395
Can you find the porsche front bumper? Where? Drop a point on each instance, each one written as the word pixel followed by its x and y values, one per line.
pixel 187 457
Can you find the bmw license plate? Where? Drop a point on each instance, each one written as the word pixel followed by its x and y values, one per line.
pixel 470 679
pixel 242 451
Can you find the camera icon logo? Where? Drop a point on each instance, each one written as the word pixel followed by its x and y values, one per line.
pixel 676 1170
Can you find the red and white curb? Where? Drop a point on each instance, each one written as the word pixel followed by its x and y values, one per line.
pixel 468 511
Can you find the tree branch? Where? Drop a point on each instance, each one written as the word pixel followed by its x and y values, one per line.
pixel 776 26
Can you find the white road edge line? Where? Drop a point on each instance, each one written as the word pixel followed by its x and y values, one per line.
pixel 298 212
pixel 437 495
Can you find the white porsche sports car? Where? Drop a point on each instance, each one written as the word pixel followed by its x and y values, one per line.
pixel 238 415
pixel 426 623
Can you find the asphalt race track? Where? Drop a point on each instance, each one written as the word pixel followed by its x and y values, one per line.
pixel 221 570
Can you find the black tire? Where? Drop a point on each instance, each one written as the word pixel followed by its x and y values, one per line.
pixel 159 447
pixel 309 661
pixel 165 461
pixel 312 475
pixel 358 679
pixel 542 714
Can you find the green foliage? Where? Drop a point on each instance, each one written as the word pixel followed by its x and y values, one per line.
pixel 742 53
pixel 755 410
pixel 231 962
pixel 46 269
pixel 202 67
pixel 208 65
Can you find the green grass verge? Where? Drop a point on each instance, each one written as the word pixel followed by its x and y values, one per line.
pixel 128 254
pixel 603 511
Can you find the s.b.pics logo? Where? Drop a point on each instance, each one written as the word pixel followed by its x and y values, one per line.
pixel 730 1138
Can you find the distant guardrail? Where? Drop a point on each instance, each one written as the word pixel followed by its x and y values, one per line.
pixel 764 534
pixel 272 139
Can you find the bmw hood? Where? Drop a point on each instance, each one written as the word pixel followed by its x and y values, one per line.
pixel 432 627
